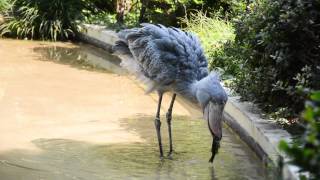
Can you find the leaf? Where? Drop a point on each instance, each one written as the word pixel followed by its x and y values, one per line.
pixel 283 145
pixel 315 96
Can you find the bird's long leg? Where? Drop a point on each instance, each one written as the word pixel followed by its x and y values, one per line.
pixel 157 123
pixel 169 117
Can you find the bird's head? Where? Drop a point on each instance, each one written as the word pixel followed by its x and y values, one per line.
pixel 212 98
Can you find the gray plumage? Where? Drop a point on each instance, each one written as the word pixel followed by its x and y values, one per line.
pixel 169 59
pixel 167 56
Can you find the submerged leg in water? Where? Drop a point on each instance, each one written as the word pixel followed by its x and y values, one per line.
pixel 157 124
pixel 169 117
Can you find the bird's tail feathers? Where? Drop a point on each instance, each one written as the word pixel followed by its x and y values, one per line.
pixel 123 34
pixel 122 50
pixel 121 47
pixel 134 68
pixel 129 63
pixel 150 85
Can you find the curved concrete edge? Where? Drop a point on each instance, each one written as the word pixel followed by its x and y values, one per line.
pixel 262 135
pixel 98 36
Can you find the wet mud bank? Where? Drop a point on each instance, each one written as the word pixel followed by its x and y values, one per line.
pixel 261 135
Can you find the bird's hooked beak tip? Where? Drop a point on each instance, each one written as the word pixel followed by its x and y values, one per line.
pixel 211 159
pixel 213 113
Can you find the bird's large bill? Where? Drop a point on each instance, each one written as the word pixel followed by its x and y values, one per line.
pixel 213 113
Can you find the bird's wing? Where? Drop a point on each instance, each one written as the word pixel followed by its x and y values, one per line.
pixel 165 55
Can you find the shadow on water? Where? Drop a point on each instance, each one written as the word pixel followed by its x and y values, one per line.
pixel 69 159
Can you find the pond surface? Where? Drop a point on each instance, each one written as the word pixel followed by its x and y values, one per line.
pixel 70 112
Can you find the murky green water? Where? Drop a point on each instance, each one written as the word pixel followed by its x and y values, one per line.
pixel 69 159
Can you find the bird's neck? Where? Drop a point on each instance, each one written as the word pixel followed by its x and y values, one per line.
pixel 188 90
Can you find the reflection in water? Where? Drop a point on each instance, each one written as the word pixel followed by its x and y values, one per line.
pixel 81 57
pixel 63 158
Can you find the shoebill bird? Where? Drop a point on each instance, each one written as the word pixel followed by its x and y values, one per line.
pixel 169 59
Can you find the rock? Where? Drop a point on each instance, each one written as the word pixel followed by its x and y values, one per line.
pixel 1 19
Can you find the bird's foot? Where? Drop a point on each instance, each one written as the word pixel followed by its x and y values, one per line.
pixel 170 155
pixel 161 158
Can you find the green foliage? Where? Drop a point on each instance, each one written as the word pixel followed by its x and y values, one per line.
pixel 102 5
pixel 166 12
pixel 307 154
pixel 227 8
pixel 38 19
pixel 103 18
pixel 214 33
pixel 224 8
pixel 228 59
pixel 170 12
pixel 279 50
pixel 4 5
pixel 58 19
pixel 163 12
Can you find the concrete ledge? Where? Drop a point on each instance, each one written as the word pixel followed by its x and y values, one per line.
pixel 244 118
pixel 262 135
pixel 98 36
